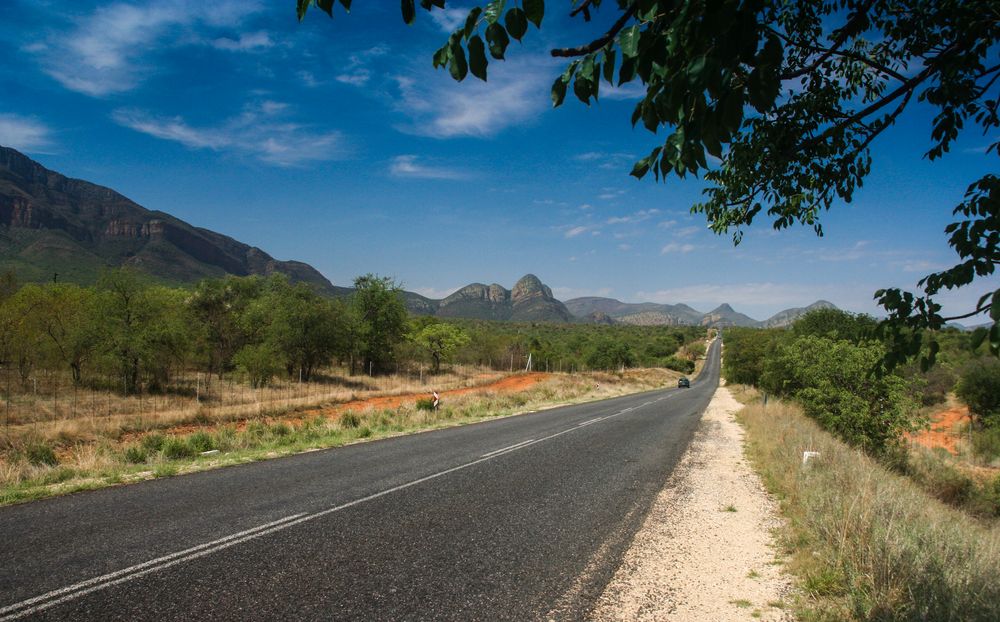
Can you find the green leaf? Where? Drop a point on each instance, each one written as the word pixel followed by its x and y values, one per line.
pixel 995 306
pixel 627 71
pixel 326 6
pixel 516 22
pixel 497 39
pixel 977 337
pixel 301 6
pixel 558 92
pixel 535 11
pixel 582 88
pixel 477 58
pixel 628 40
pixel 346 4
pixel 494 10
pixel 442 56
pixel 409 10
pixel 609 66
pixel 587 67
pixel 471 21
pixel 458 67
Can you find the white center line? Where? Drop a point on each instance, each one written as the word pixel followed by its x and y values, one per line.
pixel 509 447
pixel 77 590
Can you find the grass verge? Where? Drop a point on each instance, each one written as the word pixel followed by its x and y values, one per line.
pixel 865 542
pixel 35 468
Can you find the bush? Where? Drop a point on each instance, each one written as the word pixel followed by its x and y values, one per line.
pixel 350 419
pixel 201 441
pixel 259 362
pixel 979 388
pixel 175 448
pixel 685 366
pixel 136 454
pixel 833 381
pixel 425 404
pixel 153 442
pixel 986 444
pixel 40 454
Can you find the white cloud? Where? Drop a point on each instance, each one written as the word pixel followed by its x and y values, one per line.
pixel 259 131
pixel 356 72
pixel 624 247
pixel 408 166
pixel 575 231
pixel 107 50
pixel 639 216
pixel 675 247
pixel 437 106
pixel 448 20
pixel 24 133
pixel 630 90
pixel 687 232
pixel 247 42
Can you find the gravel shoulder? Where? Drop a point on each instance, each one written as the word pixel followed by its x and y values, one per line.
pixel 706 550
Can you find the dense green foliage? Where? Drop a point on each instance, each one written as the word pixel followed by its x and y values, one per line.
pixel 130 335
pixel 979 388
pixel 778 104
pixel 827 362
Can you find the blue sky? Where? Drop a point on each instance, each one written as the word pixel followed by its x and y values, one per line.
pixel 335 142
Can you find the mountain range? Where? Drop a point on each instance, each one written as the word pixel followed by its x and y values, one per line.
pixel 53 226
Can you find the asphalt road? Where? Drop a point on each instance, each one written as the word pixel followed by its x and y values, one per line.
pixel 520 518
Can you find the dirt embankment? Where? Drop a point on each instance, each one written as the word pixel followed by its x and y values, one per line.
pixel 945 430
pixel 706 551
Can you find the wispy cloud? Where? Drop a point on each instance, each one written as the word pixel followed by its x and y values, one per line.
pixel 635 217
pixel 246 42
pixel 575 231
pixel 357 72
pixel 676 247
pixel 439 107
pixel 108 50
pixel 449 19
pixel 24 134
pixel 408 166
pixel 630 90
pixel 259 131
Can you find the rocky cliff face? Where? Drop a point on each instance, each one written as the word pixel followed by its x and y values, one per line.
pixel 91 226
pixel 529 300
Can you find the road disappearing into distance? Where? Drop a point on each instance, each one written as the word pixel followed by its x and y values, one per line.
pixel 519 518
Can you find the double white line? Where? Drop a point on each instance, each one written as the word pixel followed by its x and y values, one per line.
pixel 77 590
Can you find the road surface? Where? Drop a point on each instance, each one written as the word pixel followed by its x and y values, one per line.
pixel 520 518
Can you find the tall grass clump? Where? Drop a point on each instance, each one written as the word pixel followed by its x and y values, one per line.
pixel 868 543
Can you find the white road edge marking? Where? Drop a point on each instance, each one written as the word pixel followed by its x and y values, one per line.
pixel 50 599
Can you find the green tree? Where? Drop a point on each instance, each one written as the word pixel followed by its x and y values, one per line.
pixel 746 351
pixel 836 324
pixel 788 98
pixel 68 317
pixel 440 341
pixel 832 381
pixel 216 307
pixel 979 388
pixel 379 321
pixel 143 328
pixel 259 361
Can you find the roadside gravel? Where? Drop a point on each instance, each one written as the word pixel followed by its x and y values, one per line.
pixel 706 550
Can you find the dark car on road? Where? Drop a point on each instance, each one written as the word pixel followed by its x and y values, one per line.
pixel 683 383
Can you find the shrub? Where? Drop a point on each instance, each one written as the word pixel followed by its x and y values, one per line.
pixel 201 441
pixel 350 419
pixel 281 429
pixel 685 366
pixel 259 362
pixel 425 404
pixel 979 388
pixel 175 448
pixel 986 444
pixel 136 454
pixel 833 381
pixel 153 442
pixel 40 454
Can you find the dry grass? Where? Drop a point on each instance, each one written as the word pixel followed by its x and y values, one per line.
pixel 97 452
pixel 867 543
